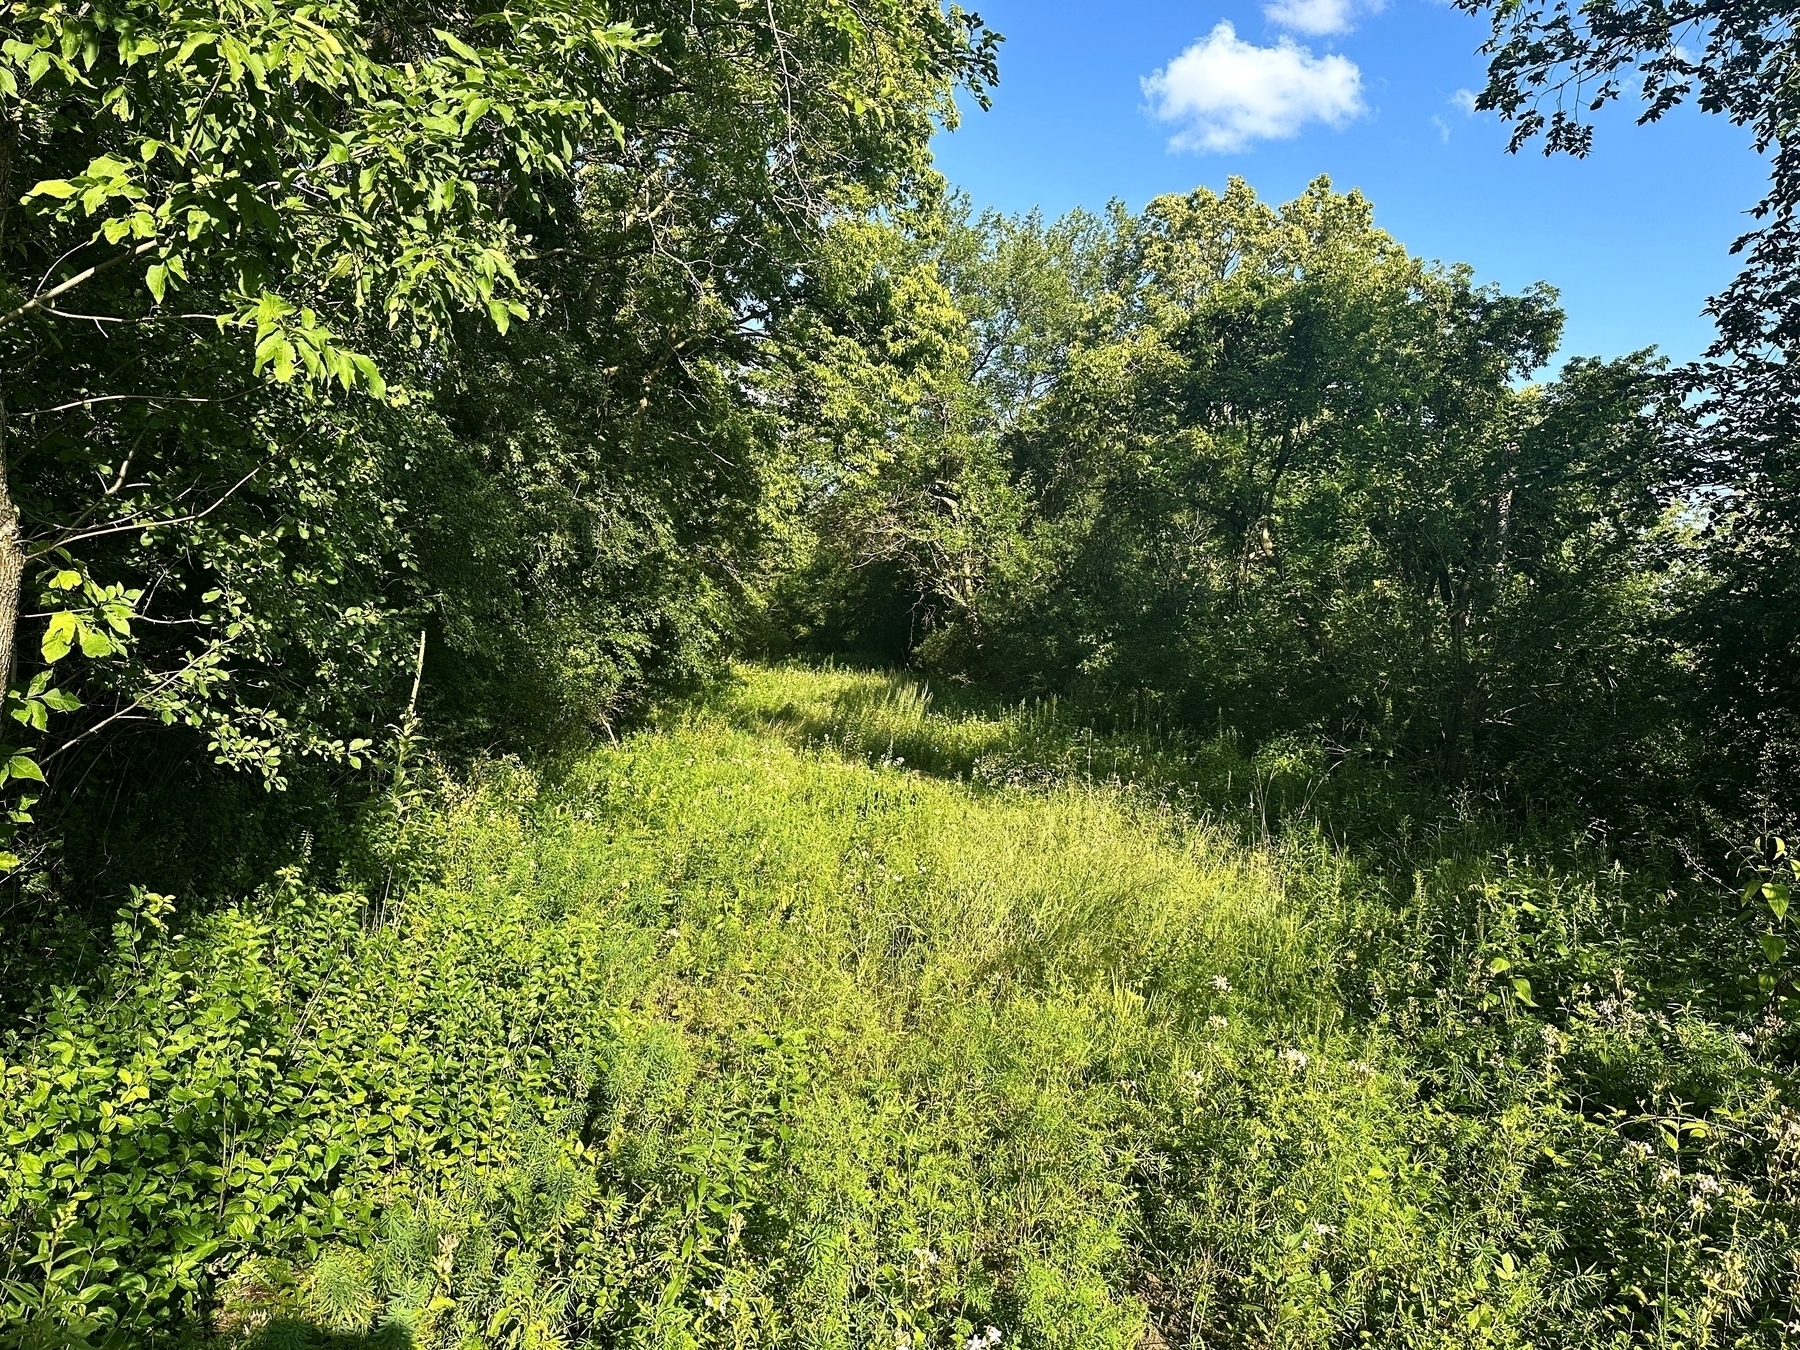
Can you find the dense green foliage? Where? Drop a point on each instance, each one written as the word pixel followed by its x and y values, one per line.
pixel 1261 468
pixel 1335 897
pixel 1551 67
pixel 275 411
pixel 716 1039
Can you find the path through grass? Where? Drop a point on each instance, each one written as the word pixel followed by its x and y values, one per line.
pixel 790 1023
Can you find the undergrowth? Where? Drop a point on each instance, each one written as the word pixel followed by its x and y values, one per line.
pixel 815 1017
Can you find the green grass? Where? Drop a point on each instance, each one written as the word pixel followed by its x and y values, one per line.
pixel 814 1017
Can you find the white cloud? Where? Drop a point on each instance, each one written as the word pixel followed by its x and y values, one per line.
pixel 1319 17
pixel 1229 92
pixel 1311 16
pixel 1464 99
pixel 1443 128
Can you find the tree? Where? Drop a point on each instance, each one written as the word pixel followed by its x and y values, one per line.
pixel 1264 467
pixel 335 325
pixel 221 192
pixel 1552 66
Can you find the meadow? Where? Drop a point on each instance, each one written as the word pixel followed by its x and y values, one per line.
pixel 815 1014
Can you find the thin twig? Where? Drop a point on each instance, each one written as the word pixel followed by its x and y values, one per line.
pixel 121 527
pixel 39 301
pixel 412 703
pixel 114 398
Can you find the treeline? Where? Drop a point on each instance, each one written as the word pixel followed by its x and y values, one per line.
pixel 1232 466
pixel 371 368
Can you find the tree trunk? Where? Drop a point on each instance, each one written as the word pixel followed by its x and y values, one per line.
pixel 12 568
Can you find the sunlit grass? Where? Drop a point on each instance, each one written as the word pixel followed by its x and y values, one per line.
pixel 816 1016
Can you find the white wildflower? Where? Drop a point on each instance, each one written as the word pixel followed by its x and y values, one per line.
pixel 1218 1023
pixel 1295 1059
pixel 1221 985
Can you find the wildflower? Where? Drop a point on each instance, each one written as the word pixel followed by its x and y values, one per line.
pixel 1218 1023
pixel 1707 1184
pixel 717 1302
pixel 1295 1059
pixel 1637 1149
pixel 902 1341
pixel 925 1256
pixel 1667 1176
pixel 1323 1229
pixel 1221 985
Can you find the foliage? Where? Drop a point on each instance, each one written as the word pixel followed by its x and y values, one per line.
pixel 277 411
pixel 1551 67
pixel 1265 468
pixel 710 1039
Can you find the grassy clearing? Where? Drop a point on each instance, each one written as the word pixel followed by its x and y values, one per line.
pixel 763 1029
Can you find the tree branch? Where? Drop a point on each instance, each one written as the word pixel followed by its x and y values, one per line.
pixel 39 301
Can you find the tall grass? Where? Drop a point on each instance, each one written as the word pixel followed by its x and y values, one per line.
pixel 816 1017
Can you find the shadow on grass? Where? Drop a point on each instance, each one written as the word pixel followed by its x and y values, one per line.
pixel 891 718
pixel 870 715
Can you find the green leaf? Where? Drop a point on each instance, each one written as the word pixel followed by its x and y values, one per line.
pixel 157 279
pixel 23 766
pixel 458 46
pixel 60 188
pixel 58 637
pixel 61 700
pixel 1778 896
pixel 1773 947
pixel 95 643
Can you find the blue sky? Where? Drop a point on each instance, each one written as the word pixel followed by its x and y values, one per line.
pixel 1635 237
